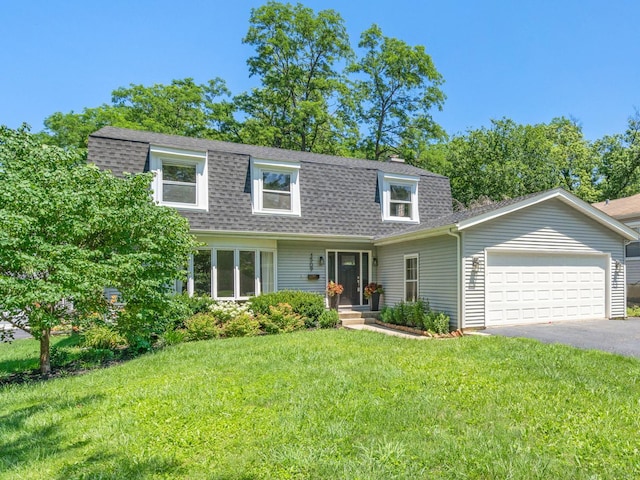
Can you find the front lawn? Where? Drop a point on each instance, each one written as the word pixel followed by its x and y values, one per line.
pixel 331 404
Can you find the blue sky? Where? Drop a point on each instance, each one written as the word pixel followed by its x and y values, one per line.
pixel 527 60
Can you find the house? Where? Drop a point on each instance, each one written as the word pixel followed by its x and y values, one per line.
pixel 273 219
pixel 627 210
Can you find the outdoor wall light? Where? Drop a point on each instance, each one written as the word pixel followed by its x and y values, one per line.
pixel 618 265
pixel 375 262
pixel 311 262
pixel 321 261
pixel 475 264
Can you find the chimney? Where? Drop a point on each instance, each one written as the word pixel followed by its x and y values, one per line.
pixel 396 158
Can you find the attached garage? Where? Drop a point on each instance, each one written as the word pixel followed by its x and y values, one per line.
pixel 524 287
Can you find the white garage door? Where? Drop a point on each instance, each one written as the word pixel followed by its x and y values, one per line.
pixel 532 288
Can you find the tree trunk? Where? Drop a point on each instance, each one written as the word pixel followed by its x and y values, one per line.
pixel 45 354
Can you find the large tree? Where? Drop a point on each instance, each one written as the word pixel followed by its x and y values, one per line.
pixel 181 108
pixel 395 89
pixel 618 172
pixel 297 52
pixel 508 159
pixel 68 230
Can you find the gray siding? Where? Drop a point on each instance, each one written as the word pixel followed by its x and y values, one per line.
pixel 293 263
pixel 437 269
pixel 550 226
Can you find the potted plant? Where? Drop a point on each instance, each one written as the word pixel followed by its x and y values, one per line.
pixel 373 291
pixel 333 291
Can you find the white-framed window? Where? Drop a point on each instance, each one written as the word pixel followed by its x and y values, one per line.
pixel 411 275
pixel 399 197
pixel 230 273
pixel 180 178
pixel 275 187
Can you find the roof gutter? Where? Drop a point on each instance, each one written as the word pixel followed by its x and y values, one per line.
pixel 404 237
pixel 452 232
pixel 285 236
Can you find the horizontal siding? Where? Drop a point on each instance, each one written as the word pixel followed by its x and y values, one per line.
pixel 437 270
pixel 550 226
pixel 293 264
pixel 633 271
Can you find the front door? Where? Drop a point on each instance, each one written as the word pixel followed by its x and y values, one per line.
pixel 350 269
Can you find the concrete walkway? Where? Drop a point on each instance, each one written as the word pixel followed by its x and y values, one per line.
pixel 372 327
pixel 615 336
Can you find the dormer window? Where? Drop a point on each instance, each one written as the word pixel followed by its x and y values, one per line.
pixel 399 197
pixel 275 188
pixel 180 178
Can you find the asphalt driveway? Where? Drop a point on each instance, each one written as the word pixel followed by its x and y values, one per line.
pixel 615 336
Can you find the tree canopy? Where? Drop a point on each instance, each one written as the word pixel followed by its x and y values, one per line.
pixel 68 230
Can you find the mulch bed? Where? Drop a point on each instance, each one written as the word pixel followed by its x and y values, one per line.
pixel 417 331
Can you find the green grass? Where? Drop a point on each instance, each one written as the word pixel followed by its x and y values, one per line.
pixel 23 355
pixel 332 404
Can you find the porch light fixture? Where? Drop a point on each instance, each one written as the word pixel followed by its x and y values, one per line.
pixel 475 264
pixel 375 262
pixel 321 261
pixel 618 265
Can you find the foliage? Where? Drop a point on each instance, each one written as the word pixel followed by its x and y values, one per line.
pixel 102 336
pixel 67 230
pixel 306 304
pixel 372 288
pixel 173 336
pixel 296 51
pixel 80 356
pixel 241 325
pixel 281 319
pixel 225 311
pixel 181 108
pixel 284 406
pixel 396 86
pixel 334 288
pixel 202 326
pixel 633 311
pixel 509 160
pixel 416 314
pixel 329 319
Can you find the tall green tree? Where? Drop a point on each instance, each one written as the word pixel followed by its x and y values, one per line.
pixel 181 108
pixel 68 230
pixel 296 57
pixel 396 88
pixel 618 173
pixel 509 160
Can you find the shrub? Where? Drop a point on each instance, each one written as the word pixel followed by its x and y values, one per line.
pixel 416 314
pixel 102 336
pixel 633 311
pixel 329 319
pixel 202 326
pixel 440 322
pixel 281 319
pixel 242 325
pixel 386 314
pixel 225 311
pixel 173 337
pixel 306 304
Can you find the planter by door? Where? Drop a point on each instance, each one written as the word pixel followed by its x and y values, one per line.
pixel 375 302
pixel 334 302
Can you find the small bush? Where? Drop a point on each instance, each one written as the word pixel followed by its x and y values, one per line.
pixel 633 311
pixel 329 319
pixel 416 314
pixel 440 323
pixel 242 325
pixel 225 311
pixel 103 337
pixel 202 326
pixel 173 337
pixel 306 304
pixel 66 356
pixel 281 319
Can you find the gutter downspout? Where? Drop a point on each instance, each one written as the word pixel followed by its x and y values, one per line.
pixel 456 235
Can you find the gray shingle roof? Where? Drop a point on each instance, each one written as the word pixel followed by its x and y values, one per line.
pixel 339 196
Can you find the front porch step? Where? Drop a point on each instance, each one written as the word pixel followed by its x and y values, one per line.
pixel 354 317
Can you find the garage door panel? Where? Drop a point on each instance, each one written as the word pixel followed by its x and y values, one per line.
pixel 527 288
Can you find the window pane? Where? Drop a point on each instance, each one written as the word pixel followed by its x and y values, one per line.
pixel 412 292
pixel 179 193
pixel 267 271
pixel 179 173
pixel 276 181
pixel 202 272
pixel 400 209
pixel 225 276
pixel 276 201
pixel 633 249
pixel 412 269
pixel 247 274
pixel 400 192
